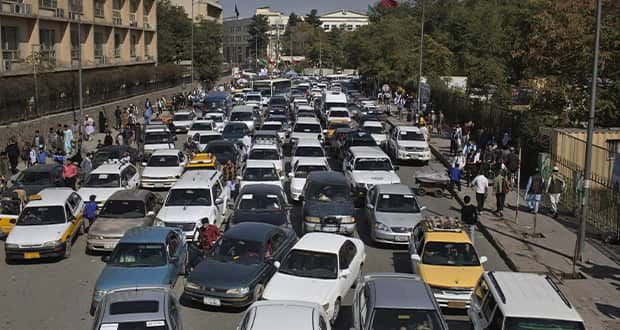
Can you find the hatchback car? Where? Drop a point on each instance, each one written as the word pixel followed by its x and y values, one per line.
pixel 263 203
pixel 235 271
pixel 327 204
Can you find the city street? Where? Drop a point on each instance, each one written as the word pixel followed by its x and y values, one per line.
pixel 57 294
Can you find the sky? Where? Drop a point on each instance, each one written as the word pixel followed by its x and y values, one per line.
pixel 299 7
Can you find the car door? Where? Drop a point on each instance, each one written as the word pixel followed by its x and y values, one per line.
pixel 217 193
pixel 133 178
pixel 174 262
pixel 344 265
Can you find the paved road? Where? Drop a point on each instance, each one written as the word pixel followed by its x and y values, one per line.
pixel 57 294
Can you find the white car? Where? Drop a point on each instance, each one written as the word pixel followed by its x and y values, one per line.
pixel 203 139
pixel 306 128
pixel 276 126
pixel 260 171
pixel 163 169
pixel 300 171
pixel 200 127
pixel 340 115
pixel 243 114
pixel 158 138
pixel 254 98
pixel 307 149
pixel 284 315
pixel 320 268
pixel 198 195
pixel 107 179
pixel 268 153
pixel 365 167
pixel 408 143
pixel 376 130
pixel 182 120
pixel 218 119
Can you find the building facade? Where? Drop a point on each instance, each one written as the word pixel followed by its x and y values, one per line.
pixel 347 20
pixel 210 10
pixel 237 51
pixel 277 26
pixel 111 33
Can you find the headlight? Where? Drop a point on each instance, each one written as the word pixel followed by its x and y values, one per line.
pixel 52 243
pixel 94 237
pixel 382 227
pixel 238 291
pixel 11 246
pixel 190 285
pixel 313 219
pixel 325 307
pixel 347 219
pixel 98 294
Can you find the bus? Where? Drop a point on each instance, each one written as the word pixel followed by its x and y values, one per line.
pixel 271 87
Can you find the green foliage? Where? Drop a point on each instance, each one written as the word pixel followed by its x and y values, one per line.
pixel 313 19
pixel 174 30
pixel 293 20
pixel 207 51
pixel 258 35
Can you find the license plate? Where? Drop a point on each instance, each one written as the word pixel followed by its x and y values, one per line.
pixel 330 229
pixel 401 238
pixel 456 304
pixel 211 301
pixel 32 255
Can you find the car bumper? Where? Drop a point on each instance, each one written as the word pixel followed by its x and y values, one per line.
pixel 181 130
pixel 36 253
pixel 218 299
pixel 450 299
pixel 346 229
pixel 390 237
pixel 413 155
pixel 154 183
pixel 102 245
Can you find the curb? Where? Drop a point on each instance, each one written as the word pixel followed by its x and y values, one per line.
pixel 483 229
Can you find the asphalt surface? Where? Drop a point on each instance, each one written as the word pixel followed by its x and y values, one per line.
pixel 56 294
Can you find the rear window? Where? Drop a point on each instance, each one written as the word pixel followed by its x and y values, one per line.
pixel 240 116
pixel 134 307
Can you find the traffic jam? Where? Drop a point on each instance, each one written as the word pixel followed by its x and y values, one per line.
pixel 251 200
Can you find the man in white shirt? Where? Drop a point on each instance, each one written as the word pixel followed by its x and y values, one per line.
pixel 482 185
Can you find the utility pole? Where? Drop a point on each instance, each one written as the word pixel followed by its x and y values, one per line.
pixel 320 55
pixel 36 85
pixel 420 62
pixel 81 101
pixel 192 44
pixel 588 162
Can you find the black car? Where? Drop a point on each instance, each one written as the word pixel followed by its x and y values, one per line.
pixel 224 151
pixel 264 203
pixel 278 100
pixel 106 153
pixel 328 204
pixel 235 131
pixel 239 265
pixel 38 177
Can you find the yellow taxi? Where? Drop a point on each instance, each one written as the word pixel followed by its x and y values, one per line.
pixel 444 257
pixel 11 205
pixel 47 226
pixel 201 161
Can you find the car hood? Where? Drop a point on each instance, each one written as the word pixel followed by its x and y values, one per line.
pixel 182 213
pixel 223 275
pixel 419 144
pixel 113 277
pixel 392 219
pixel 272 218
pixel 101 194
pixel 323 209
pixel 288 287
pixel 36 234
pixel 450 276
pixel 375 177
pixel 115 227
pixel 161 172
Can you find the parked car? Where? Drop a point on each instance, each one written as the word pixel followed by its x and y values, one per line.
pixel 327 204
pixel 139 308
pixel 235 271
pixel 124 210
pixel 320 268
pixel 263 203
pixel 284 315
pixel 144 257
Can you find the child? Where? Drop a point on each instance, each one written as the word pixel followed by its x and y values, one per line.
pixel 90 211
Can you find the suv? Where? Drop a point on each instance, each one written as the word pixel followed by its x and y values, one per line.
pixel 375 128
pixel 182 120
pixel 197 195
pixel 310 149
pixel 510 300
pixel 365 167
pixel 408 143
pixel 244 114
pixel 268 153
pixel 163 169
pixel 395 301
pixel 107 179
pixel 327 204
pixel 158 138
pixel 444 257
pixel 260 171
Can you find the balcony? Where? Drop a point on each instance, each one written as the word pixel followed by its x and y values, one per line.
pixel 145 21
pixel 117 52
pixel 9 56
pixel 16 8
pixel 99 57
pixel 116 17
pixel 133 20
pixel 48 56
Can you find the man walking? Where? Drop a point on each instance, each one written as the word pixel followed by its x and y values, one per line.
pixel 455 175
pixel 12 151
pixel 533 191
pixel 117 117
pixel 555 187
pixel 500 185
pixel 482 184
pixel 229 172
pixel 469 216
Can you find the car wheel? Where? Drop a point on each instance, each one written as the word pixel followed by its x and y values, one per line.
pixel 336 312
pixel 258 292
pixel 69 243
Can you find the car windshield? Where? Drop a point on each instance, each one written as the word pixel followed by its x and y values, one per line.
pixel 34 178
pixel 277 100
pixel 415 319
pixel 397 203
pixel 189 197
pixel 272 127
pixel 122 209
pixel 264 154
pixel 373 164
pixel 102 180
pixel 260 174
pixel 253 98
pixel 41 215
pixel 236 130
pixel 257 203
pixel 136 325
pixel 328 192
pixel 449 254
pixel 201 126
pixel 237 251
pixel 240 116
pixel 205 139
pixel 307 128
pixel 215 118
pixel 182 116
pixel 163 161
pixel 10 207
pixel 410 136
pixel 338 114
pixel 138 255
pixel 157 138
pixel 518 323
pixel 302 171
pixel 309 152
pixel 310 264
pixel 363 141
pixel 373 129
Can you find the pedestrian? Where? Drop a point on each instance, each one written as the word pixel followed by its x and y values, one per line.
pixel 128 135
pixel 42 156
pixel 482 184
pixel 501 188
pixel 102 121
pixel 247 143
pixel 38 140
pixel 59 156
pixel 12 151
pixel 124 119
pixel 5 170
pixel 533 191
pixel 229 172
pixel 68 140
pixel 32 156
pixel 90 211
pixel 89 128
pixel 119 139
pixel 441 122
pixel 86 166
pixel 108 140
pixel 469 216
pixel 69 173
pixel 555 187
pixel 51 139
pixel 455 176
pixel 117 118
pixel 139 136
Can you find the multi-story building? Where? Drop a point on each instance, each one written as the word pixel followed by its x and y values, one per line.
pixel 210 10
pixel 111 33
pixel 347 20
pixel 237 50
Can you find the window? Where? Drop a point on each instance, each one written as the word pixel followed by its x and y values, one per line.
pixel 276 241
pixel 134 40
pixel 488 306
pixel 498 320
pixel 346 254
pixel 322 323
pixel 326 27
pixel 8 36
pixel 173 243
pixel 99 8
pixel 68 212
pixel 612 145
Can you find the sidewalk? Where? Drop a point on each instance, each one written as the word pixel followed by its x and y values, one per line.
pixel 596 297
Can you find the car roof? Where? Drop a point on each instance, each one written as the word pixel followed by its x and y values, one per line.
pixel 259 163
pixel 321 242
pixel 405 292
pixel 146 235
pixel 364 151
pixel 397 189
pixel 311 161
pixel 242 108
pixel 166 152
pixel 253 231
pixel 330 177
pixel 447 236
pixel 296 315
pixel 110 167
pixel 531 295
pixel 136 294
pixel 130 194
pixel 260 188
pixel 196 179
pixel 51 197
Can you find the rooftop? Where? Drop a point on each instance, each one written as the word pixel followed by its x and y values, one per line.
pixel 400 292
pixel 51 196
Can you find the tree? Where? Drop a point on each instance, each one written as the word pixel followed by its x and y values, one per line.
pixel 258 35
pixel 313 19
pixel 174 30
pixel 207 51
pixel 293 20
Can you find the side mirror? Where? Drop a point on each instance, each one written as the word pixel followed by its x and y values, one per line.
pixel 324 131
pixel 483 259
pixel 150 214
pixel 239 177
pixel 276 264
pixel 416 258
pixel 345 273
pixel 105 258
pixel 143 164
pixel 219 201
pixel 282 178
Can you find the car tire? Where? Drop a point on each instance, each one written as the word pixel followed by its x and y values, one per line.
pixel 258 292
pixel 332 321
pixel 68 245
